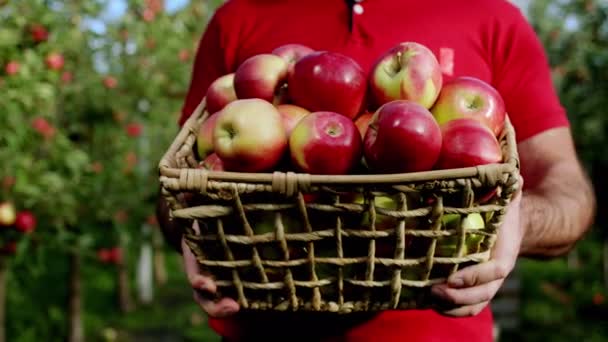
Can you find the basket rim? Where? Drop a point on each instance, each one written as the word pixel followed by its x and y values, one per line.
pixel 168 169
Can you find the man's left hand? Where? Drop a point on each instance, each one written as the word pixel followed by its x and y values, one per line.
pixel 472 288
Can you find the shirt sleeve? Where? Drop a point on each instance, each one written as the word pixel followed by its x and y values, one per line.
pixel 209 64
pixel 523 77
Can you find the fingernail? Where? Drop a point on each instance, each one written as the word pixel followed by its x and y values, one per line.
pixel 456 282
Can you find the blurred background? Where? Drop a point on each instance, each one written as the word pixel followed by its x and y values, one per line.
pixel 90 92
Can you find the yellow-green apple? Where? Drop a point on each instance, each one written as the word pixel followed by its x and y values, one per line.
pixel 292 53
pixel 466 143
pixel 249 136
pixel 407 71
pixel 402 136
pixel 204 137
pixel 362 122
pixel 8 214
pixel 291 115
pixel 325 143
pixel 260 76
pixel 447 246
pixel 220 93
pixel 382 222
pixel 328 81
pixel 469 97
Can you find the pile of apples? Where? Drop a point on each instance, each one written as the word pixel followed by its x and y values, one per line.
pixel 318 112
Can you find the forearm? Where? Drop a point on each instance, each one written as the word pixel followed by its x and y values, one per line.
pixel 556 212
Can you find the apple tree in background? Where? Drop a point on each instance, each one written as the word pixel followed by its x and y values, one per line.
pixel 569 293
pixel 86 115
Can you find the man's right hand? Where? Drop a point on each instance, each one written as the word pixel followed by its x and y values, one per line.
pixel 204 287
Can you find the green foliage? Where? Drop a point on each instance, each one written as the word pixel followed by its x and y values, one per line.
pixel 564 300
pixel 80 141
pixel 575 35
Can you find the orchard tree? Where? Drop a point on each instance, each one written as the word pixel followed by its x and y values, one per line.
pixel 85 121
pixel 571 292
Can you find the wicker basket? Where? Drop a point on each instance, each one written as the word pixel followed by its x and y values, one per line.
pixel 287 241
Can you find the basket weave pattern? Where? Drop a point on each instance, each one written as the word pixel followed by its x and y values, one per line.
pixel 344 243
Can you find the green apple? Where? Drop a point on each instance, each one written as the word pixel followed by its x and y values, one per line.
pixel 448 246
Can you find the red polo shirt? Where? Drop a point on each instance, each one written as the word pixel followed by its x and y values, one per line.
pixel 487 39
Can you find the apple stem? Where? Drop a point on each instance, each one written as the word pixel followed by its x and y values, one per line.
pixel 396 65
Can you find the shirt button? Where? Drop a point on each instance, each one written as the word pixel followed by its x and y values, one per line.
pixel 358 9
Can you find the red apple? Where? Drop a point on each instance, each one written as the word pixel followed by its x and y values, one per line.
pixel 115 255
pixel 291 115
pixel 134 129
pixel 402 136
pixel 292 53
pixel 468 97
pixel 184 55
pixel 212 163
pixel 249 136
pixel 328 81
pixel 220 93
pixel 110 82
pixel 43 127
pixel 467 142
pixel 8 214
pixel 12 68
pixel 260 76
pixel 408 71
pixel 54 61
pixel 39 33
pixel 25 222
pixel 362 123
pixel 103 255
pixel 204 138
pixel 67 77
pixel 148 15
pixel 325 143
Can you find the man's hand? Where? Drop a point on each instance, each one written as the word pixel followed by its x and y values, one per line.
pixel 204 286
pixel 473 287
